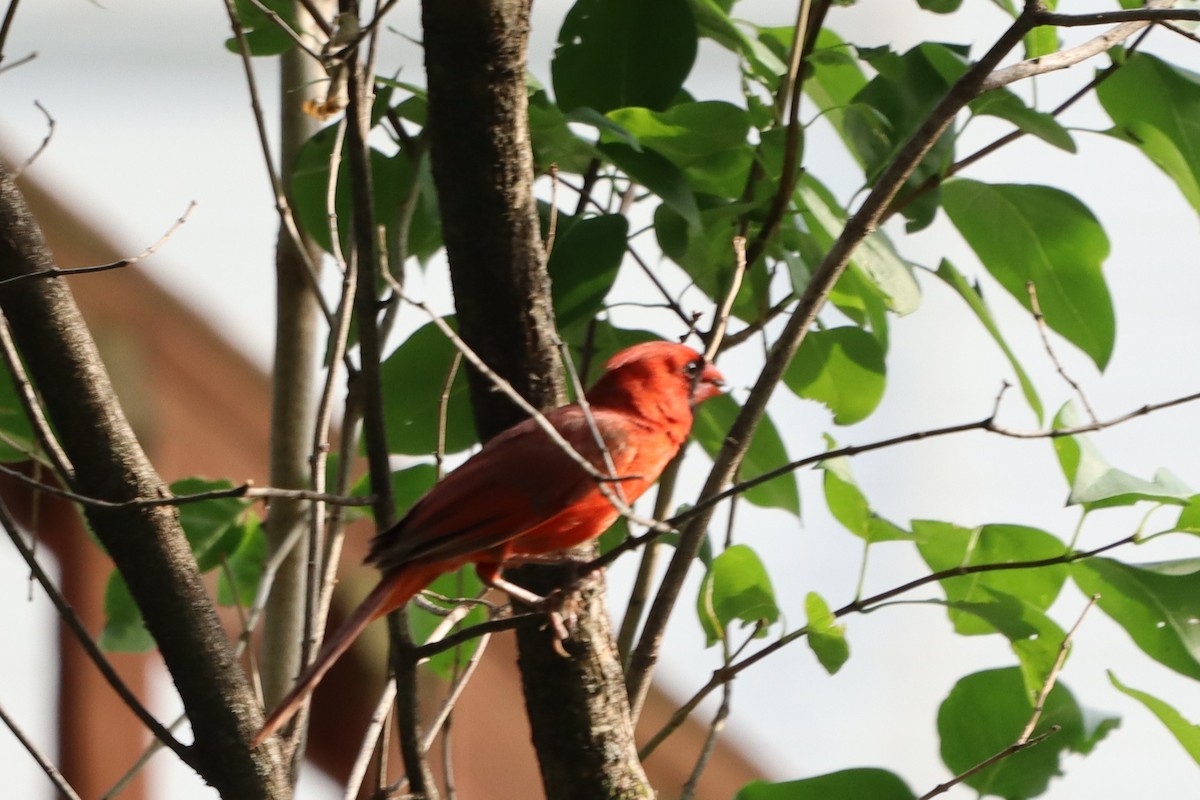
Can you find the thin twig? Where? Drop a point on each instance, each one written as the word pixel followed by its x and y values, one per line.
pixel 1007 752
pixel 937 179
pixel 1173 28
pixel 987 424
pixel 43 762
pixel 19 62
pixel 50 123
pixel 6 26
pixel 56 272
pixel 1052 676
pixel 714 730
pixel 724 674
pixel 732 340
pixel 291 33
pixel 717 333
pixel 1137 19
pixel 1044 331
pixel 1153 12
pixel 32 406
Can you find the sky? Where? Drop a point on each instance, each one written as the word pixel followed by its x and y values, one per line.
pixel 151 114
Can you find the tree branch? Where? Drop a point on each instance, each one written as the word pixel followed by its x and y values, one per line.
pixel 147 544
pixel 737 440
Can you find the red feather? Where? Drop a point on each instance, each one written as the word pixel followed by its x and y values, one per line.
pixel 521 494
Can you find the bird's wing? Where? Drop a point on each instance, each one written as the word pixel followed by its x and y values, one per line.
pixel 518 481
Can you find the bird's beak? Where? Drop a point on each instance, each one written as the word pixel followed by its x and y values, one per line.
pixel 709 383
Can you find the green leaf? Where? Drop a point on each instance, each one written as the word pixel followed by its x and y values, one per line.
pixel 1156 106
pixel 842 368
pixel 616 53
pixel 736 587
pixel 713 420
pixel 1184 732
pixel 658 175
pixel 1045 236
pixel 124 630
pixel 1189 517
pixel 264 36
pixel 706 140
pixel 713 22
pixel 945 546
pixel 1034 637
pixel 1041 41
pixel 706 253
pixel 876 257
pixel 583 265
pixel 973 296
pixel 849 506
pixel 246 564
pixel 1007 106
pixel 552 139
pixel 212 527
pixel 836 78
pixel 940 6
pixel 825 637
pixel 413 377
pixel 16 434
pixel 1158 605
pixel 903 94
pixel 393 179
pixel 986 712
pixel 1097 484
pixel 462 583
pixel 850 784
pixel 686 131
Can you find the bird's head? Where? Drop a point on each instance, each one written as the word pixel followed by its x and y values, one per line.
pixel 663 368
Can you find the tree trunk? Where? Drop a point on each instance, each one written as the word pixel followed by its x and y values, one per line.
pixel 483 168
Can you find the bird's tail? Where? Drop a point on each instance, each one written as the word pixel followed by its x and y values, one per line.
pixel 393 591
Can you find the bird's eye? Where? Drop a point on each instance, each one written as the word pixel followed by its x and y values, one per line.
pixel 692 368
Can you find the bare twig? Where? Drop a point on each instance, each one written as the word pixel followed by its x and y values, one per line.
pixel 937 179
pixel 1007 752
pixel 19 62
pixel 714 730
pixel 1052 677
pixel 56 272
pixel 727 673
pixel 46 439
pixel 717 333
pixel 291 33
pixel 987 424
pixel 41 148
pixel 1044 331
pixel 43 762
pixel 1153 12
pixel 6 25
pixel 1136 19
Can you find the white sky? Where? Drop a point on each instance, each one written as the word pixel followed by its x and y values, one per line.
pixel 153 114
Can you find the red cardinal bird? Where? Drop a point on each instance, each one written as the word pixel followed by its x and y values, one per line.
pixel 522 495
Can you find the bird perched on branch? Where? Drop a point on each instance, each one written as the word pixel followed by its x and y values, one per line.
pixel 523 494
